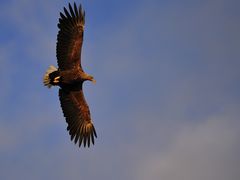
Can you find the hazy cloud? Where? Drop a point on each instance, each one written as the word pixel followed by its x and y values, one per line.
pixel 206 150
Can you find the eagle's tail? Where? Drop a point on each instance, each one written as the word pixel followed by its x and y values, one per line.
pixel 46 78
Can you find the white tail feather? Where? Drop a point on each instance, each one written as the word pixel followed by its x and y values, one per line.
pixel 46 79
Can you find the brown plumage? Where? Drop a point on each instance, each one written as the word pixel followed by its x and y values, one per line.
pixel 70 76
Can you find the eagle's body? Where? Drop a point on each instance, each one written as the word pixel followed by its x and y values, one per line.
pixel 70 76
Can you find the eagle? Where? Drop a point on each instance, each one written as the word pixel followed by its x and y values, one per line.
pixel 69 76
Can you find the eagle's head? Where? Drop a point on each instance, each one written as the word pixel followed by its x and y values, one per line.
pixel 90 78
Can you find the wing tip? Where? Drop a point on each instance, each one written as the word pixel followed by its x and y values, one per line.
pixel 74 11
pixel 85 136
pixel 71 15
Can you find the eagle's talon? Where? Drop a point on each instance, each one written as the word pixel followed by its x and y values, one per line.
pixel 56 79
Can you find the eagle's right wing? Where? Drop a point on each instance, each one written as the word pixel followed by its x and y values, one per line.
pixel 77 114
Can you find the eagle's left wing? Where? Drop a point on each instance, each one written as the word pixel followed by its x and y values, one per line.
pixel 77 114
pixel 70 38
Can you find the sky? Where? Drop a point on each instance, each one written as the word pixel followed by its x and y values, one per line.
pixel 166 104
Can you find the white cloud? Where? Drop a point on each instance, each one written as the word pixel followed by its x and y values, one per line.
pixel 208 150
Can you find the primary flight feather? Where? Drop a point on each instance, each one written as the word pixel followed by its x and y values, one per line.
pixel 70 76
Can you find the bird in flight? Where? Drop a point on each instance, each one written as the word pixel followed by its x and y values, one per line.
pixel 70 76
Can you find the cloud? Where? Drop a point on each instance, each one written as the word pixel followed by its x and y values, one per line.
pixel 207 150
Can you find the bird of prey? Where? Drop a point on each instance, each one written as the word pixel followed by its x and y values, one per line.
pixel 70 76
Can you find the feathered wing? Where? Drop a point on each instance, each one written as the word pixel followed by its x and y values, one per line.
pixel 77 114
pixel 70 37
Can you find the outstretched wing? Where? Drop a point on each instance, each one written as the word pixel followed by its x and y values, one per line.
pixel 70 37
pixel 77 114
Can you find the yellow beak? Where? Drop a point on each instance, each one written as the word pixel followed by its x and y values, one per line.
pixel 93 81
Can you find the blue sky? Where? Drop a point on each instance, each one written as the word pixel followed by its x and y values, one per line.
pixel 166 104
